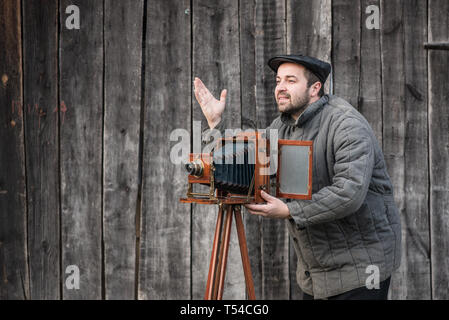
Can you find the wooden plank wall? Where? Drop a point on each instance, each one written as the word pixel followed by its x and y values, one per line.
pixel 40 48
pixel 123 30
pixel 86 132
pixel 81 95
pixel 215 25
pixel 165 242
pixel 14 268
pixel 438 62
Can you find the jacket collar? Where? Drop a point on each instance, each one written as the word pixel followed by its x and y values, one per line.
pixel 308 114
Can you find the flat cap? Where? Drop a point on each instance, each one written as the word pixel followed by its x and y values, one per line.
pixel 319 68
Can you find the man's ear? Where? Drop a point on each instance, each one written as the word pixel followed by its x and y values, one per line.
pixel 316 87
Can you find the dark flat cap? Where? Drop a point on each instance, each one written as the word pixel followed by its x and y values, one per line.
pixel 319 68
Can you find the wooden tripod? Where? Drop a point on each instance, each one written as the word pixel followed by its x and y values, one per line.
pixel 217 267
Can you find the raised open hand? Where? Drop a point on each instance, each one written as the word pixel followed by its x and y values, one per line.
pixel 211 107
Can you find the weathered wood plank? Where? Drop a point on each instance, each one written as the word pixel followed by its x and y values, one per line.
pixel 165 266
pixel 262 35
pixel 404 82
pixel 216 62
pixel 439 149
pixel 81 113
pixel 416 219
pixel 248 79
pixel 309 32
pixel 346 30
pixel 14 279
pixel 370 95
pixel 393 97
pixel 123 63
pixel 42 148
pixel 247 31
pixel 270 41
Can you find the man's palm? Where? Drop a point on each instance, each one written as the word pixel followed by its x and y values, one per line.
pixel 212 108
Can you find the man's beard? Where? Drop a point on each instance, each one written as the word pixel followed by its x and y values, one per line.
pixel 297 106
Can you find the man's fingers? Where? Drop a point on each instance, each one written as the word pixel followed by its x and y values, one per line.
pixel 197 95
pixel 258 213
pixel 257 207
pixel 223 95
pixel 200 88
pixel 267 196
pixel 203 93
pixel 197 82
pixel 202 96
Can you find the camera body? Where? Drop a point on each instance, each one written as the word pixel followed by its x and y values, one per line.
pixel 240 167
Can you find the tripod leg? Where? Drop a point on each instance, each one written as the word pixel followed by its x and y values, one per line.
pixel 224 257
pixel 220 252
pixel 213 260
pixel 244 252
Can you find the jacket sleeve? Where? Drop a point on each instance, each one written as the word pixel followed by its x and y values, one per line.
pixel 354 161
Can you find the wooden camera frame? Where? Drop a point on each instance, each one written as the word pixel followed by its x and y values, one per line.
pixel 260 181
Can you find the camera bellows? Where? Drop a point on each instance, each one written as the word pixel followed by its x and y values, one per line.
pixel 234 166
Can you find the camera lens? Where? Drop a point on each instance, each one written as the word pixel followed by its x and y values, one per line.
pixel 194 168
pixel 190 168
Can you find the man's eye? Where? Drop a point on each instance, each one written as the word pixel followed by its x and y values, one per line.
pixel 291 81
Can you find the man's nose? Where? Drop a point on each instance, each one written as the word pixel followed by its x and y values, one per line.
pixel 280 90
pixel 281 87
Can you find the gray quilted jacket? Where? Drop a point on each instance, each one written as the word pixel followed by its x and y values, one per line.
pixel 352 222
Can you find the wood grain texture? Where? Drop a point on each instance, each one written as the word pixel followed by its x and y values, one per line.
pixel 165 246
pixel 248 75
pixel 439 149
pixel 14 279
pixel 346 31
pixel 215 27
pixel 123 62
pixel 405 138
pixel 70 174
pixel 271 41
pixel 309 32
pixel 416 272
pixel 370 93
pixel 393 97
pixel 42 146
pixel 81 135
pixel 248 79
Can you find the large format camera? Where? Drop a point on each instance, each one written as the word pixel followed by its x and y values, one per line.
pixel 240 167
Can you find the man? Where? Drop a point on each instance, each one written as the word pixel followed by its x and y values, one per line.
pixel 349 234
